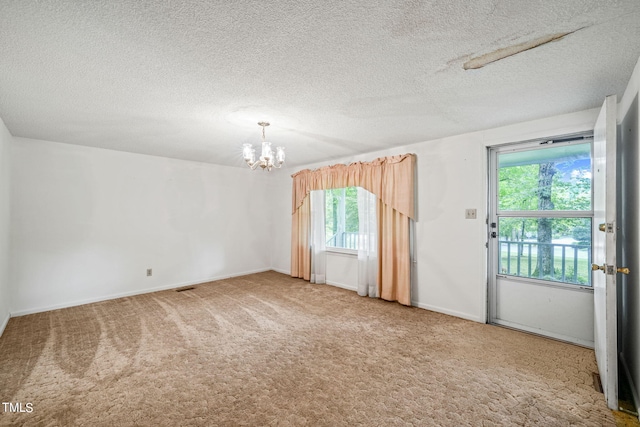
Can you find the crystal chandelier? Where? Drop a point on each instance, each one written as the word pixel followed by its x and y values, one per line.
pixel 267 160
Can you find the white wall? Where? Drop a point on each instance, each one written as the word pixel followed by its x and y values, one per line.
pixel 450 254
pixel 86 223
pixel 342 270
pixel 280 247
pixel 5 204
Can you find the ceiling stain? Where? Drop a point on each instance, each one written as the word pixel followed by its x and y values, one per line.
pixel 505 52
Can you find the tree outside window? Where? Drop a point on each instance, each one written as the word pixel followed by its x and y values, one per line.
pixel 341 217
pixel 553 180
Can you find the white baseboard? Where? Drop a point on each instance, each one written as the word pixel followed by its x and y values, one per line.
pixel 4 323
pixel 342 285
pixel 627 374
pixel 328 282
pixel 128 294
pixel 419 305
pixel 447 311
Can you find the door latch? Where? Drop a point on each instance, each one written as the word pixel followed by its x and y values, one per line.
pixel 610 269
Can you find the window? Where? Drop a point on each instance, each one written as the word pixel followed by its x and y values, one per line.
pixel 341 218
pixel 557 178
pixel 545 214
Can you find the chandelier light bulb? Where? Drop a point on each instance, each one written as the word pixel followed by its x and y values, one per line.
pixel 266 151
pixel 247 153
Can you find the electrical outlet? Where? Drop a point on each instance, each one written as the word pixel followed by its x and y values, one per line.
pixel 149 272
pixel 470 213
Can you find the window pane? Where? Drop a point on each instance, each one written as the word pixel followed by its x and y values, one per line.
pixel 331 214
pixel 341 217
pixel 555 178
pixel 556 249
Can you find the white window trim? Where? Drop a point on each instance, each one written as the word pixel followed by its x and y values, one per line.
pixel 342 251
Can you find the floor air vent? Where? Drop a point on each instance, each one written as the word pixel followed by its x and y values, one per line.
pixel 185 289
pixel 597 384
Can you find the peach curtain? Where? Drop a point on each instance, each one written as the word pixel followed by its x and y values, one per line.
pixel 394 256
pixel 391 179
pixel 300 251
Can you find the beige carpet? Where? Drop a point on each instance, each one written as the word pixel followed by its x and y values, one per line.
pixel 267 349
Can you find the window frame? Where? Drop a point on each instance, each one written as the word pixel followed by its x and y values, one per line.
pixel 495 213
pixel 338 249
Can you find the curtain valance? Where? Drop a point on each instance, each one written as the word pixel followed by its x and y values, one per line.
pixel 389 178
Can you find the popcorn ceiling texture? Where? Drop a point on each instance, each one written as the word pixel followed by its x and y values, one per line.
pixel 190 79
pixel 267 349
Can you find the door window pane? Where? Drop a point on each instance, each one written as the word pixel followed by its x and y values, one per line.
pixel 555 178
pixel 556 249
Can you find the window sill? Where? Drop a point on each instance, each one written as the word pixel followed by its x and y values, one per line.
pixel 342 251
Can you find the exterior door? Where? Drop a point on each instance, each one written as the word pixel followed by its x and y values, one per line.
pixel 540 227
pixel 605 269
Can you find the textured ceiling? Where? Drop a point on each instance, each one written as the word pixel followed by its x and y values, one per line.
pixel 190 79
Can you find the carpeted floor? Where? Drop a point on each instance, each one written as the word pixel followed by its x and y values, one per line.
pixel 267 349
